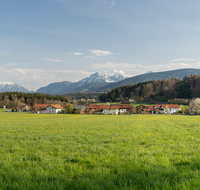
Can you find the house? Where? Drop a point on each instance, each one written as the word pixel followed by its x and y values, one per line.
pixel 123 108
pixel 47 108
pixel 9 109
pixel 158 109
pixel 93 107
pixel 131 100
pixel 79 109
pixel 173 108
pixel 22 108
pixel 110 110
pixel 142 108
pixel 53 108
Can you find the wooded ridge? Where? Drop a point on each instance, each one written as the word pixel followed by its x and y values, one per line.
pixel 157 90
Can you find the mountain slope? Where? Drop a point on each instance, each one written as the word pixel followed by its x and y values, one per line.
pixel 55 88
pixel 11 87
pixel 180 73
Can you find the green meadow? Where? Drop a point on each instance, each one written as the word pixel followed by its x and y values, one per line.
pixel 99 152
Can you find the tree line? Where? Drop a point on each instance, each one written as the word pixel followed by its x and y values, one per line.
pixel 12 99
pixel 157 90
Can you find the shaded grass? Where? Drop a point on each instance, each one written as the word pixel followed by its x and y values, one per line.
pixel 99 152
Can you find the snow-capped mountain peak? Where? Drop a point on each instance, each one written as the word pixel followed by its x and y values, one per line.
pixel 11 87
pixel 99 77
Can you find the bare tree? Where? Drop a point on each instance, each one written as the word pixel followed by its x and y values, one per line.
pixel 195 106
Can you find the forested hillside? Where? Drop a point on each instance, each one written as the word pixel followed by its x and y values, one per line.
pixel 158 90
pixel 12 99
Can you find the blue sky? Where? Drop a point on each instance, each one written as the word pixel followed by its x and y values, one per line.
pixel 44 41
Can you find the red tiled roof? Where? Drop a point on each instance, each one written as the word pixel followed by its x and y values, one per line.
pixel 93 106
pixel 105 107
pixel 40 105
pixel 56 106
pixel 171 106
pixel 125 106
pixel 157 106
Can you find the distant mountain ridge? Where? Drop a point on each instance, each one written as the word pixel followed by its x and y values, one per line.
pixel 86 84
pixel 99 82
pixel 11 87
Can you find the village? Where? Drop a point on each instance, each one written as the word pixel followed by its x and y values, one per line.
pixel 101 109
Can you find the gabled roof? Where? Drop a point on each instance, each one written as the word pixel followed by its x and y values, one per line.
pixel 40 105
pixel 93 106
pixel 171 106
pixel 125 106
pixel 105 107
pixel 55 106
pixel 157 106
pixel 21 106
pixel 78 106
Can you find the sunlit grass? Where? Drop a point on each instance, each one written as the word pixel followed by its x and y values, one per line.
pixel 99 152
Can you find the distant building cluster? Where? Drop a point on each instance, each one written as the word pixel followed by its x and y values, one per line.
pixel 113 109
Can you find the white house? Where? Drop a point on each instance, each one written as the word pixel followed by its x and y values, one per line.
pixel 53 108
pixel 110 110
pixel 173 108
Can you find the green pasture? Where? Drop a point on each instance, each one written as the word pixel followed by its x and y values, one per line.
pixel 3 110
pixel 99 152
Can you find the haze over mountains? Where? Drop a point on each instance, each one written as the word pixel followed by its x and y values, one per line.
pixel 99 82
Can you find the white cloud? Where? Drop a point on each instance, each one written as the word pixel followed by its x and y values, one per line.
pixel 182 59
pixel 53 60
pixel 101 53
pixel 20 71
pixel 77 53
pixel 119 72
pixel 132 69
pixel 91 57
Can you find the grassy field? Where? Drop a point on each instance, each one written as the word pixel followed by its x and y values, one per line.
pixel 99 152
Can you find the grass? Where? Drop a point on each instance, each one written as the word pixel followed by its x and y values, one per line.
pixel 3 110
pixel 99 152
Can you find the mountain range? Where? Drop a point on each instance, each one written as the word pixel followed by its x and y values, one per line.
pixel 95 80
pixel 11 87
pixel 100 82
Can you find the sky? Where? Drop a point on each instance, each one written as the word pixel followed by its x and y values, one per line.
pixel 45 41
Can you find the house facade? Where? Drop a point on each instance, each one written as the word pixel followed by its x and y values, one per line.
pixel 47 108
pixel 110 110
pixel 172 108
pixel 53 109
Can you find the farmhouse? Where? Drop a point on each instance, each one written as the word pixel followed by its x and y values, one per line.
pixel 110 110
pixel 22 108
pixel 47 108
pixel 173 108
pixel 123 108
pixel 53 108
pixel 79 109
